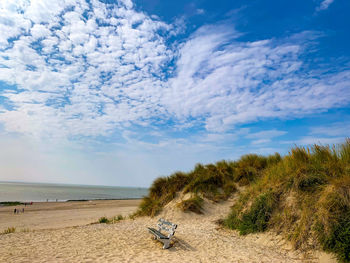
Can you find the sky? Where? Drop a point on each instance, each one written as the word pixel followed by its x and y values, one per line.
pixel 120 92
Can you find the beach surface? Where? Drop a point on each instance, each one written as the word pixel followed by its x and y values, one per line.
pixel 198 237
pixel 52 215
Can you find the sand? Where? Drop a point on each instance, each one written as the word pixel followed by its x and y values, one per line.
pixel 198 239
pixel 48 215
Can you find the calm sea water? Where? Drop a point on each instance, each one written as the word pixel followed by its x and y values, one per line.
pixel 27 192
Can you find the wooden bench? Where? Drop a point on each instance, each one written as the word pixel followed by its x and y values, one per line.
pixel 167 227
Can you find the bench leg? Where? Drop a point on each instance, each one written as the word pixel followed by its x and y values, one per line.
pixel 166 244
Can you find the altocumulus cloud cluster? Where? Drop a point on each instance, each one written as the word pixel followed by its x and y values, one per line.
pixel 88 68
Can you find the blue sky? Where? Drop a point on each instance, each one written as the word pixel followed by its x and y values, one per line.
pixel 121 92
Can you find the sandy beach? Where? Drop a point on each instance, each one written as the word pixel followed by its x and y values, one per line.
pixel 59 233
pixel 48 215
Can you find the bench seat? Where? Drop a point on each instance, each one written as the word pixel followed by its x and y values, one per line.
pixel 157 233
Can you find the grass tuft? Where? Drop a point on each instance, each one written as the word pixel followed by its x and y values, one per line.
pixel 193 204
pixel 9 230
pixel 105 220
pixel 256 218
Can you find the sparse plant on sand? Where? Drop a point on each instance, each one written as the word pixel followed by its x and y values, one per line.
pixel 105 220
pixel 117 218
pixel 9 230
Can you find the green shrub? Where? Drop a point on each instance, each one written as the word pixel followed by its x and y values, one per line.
pixel 256 218
pixel 103 220
pixel 338 238
pixel 333 221
pixel 310 182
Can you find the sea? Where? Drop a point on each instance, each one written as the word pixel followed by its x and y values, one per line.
pixel 43 192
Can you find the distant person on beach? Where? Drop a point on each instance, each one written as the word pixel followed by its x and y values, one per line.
pixel 22 210
pixel 15 211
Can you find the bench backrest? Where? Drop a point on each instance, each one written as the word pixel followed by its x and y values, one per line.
pixel 166 226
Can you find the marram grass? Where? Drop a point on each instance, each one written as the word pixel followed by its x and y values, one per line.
pixel 304 195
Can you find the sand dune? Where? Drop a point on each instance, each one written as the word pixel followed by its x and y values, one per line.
pixel 198 239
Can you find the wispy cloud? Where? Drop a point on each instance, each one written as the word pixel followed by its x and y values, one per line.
pixel 224 82
pixel 324 5
pixel 332 129
pixel 310 140
pixel 332 133
pixel 264 136
pixel 200 11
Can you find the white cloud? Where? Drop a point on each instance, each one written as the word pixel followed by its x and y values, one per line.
pixel 39 31
pixel 228 82
pixel 200 11
pixel 80 78
pixel 86 70
pixel 324 5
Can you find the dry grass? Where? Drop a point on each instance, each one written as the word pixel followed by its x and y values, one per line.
pixel 9 230
pixel 193 204
pixel 311 207
pixel 304 195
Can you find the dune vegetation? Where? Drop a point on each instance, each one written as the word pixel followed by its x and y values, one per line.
pixel 9 230
pixel 304 195
pixel 105 220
